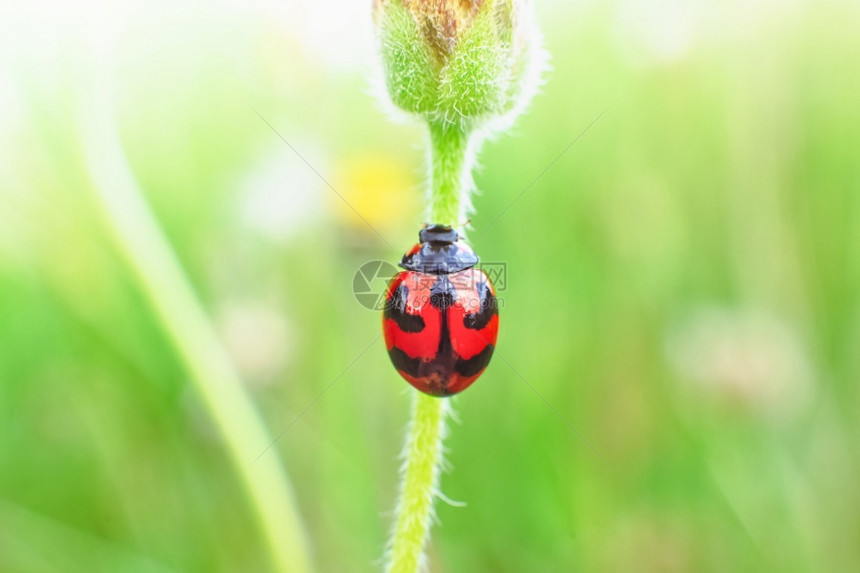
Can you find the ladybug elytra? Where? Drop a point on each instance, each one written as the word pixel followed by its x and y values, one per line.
pixel 440 318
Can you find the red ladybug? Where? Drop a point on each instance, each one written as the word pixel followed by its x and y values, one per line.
pixel 440 318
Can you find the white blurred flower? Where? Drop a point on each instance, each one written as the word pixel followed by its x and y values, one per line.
pixel 281 196
pixel 659 32
pixel 743 358
pixel 257 337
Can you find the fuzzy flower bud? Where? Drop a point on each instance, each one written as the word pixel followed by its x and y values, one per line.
pixel 465 61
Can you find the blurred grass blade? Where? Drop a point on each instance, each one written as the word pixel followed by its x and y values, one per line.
pixel 138 237
pixel 71 549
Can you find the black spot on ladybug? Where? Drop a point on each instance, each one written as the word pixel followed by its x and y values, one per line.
pixel 404 363
pixel 395 309
pixel 489 309
pixel 474 365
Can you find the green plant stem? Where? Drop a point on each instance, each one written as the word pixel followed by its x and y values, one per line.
pixel 451 163
pixel 137 236
pixel 420 478
pixel 451 172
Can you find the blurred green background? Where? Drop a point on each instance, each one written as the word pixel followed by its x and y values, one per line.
pixel 682 290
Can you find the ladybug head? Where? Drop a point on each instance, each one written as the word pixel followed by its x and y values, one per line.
pixel 440 252
pixel 438 234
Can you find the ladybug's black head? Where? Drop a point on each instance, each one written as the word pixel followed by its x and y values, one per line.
pixel 438 234
pixel 439 252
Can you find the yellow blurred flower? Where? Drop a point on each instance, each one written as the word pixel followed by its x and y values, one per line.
pixel 379 189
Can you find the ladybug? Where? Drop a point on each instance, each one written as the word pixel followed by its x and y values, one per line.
pixel 440 317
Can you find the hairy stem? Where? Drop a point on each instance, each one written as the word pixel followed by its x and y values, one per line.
pixel 138 238
pixel 451 161
pixel 420 478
